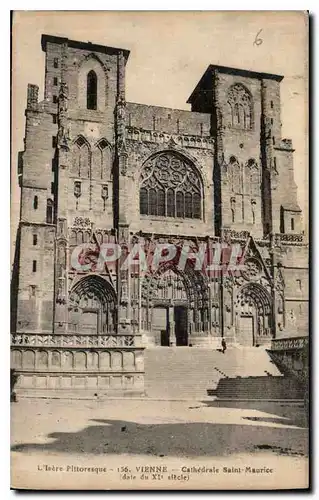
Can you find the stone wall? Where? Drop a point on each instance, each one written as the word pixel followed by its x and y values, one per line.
pixel 67 362
pixel 36 279
pixel 171 121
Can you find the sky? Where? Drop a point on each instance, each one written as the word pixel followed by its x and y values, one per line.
pixel 169 53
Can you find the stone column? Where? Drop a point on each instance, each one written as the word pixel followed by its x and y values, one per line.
pixel 61 163
pixel 190 319
pixel 171 326
pixel 122 211
pixel 61 281
pixel 217 130
pixel 266 160
pixel 124 284
pixel 277 284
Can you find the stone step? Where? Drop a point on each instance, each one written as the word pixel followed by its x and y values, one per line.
pixel 258 388
pixel 187 373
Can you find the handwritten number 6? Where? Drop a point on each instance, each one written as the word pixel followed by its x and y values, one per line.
pixel 258 41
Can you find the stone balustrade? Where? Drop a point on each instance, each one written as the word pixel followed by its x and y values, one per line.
pixel 290 238
pixel 80 341
pixel 183 140
pixel 289 344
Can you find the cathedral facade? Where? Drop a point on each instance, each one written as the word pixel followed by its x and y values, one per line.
pixel 98 171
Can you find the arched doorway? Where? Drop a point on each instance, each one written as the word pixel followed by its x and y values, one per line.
pixel 168 308
pixel 253 315
pixel 174 305
pixel 92 307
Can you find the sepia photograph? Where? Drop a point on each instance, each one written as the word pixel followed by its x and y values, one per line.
pixel 159 250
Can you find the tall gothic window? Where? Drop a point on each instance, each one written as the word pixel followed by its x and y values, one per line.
pixel 170 187
pixel 252 178
pixel 104 160
pixel 80 158
pixel 236 178
pixel 49 211
pixel 91 90
pixel 240 107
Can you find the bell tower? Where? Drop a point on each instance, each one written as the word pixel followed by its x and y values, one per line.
pixel 252 163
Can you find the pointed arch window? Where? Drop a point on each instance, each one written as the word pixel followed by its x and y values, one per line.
pixel 235 175
pixel 49 212
pixel 81 158
pixel 103 159
pixel 252 178
pixel 91 90
pixel 240 107
pixel 170 187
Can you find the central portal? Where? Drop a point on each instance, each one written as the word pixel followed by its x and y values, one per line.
pixel 174 307
pixel 172 323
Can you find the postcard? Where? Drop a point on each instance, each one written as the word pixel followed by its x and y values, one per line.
pixel 159 217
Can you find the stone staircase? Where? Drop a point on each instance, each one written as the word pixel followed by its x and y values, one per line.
pixel 188 373
pixel 270 388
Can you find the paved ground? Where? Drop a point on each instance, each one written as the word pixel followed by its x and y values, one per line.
pixel 132 433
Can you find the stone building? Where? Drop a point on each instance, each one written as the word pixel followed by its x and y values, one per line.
pixel 97 169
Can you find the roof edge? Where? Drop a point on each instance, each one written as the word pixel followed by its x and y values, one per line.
pixel 105 49
pixel 233 71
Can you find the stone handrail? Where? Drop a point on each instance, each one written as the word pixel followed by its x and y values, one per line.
pixel 289 343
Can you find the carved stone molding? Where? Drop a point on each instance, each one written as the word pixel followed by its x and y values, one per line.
pixel 242 235
pixel 169 140
pixel 78 340
pixel 83 222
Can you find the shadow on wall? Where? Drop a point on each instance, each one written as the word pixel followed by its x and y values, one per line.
pixel 187 439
